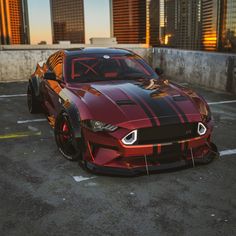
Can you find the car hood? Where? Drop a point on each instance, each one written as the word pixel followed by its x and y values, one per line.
pixel 136 103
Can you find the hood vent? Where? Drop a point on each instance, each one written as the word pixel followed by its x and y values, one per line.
pixel 179 98
pixel 124 102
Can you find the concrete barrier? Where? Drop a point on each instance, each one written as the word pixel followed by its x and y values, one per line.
pixel 207 69
pixel 211 70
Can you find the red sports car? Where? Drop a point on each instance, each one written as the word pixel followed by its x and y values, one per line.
pixel 111 111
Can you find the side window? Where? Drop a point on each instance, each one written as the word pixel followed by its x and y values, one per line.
pixel 55 64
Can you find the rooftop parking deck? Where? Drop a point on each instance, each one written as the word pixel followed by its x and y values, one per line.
pixel 43 194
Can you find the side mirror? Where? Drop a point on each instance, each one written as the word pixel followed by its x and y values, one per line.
pixel 159 71
pixel 49 75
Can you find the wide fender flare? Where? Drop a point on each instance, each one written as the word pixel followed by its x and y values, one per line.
pixel 74 118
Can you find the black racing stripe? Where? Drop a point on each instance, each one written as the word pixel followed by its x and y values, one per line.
pixel 143 106
pixel 186 149
pixel 178 109
pixel 168 115
pixel 174 148
pixel 185 146
pixel 163 111
pixel 170 153
pixel 148 113
pixel 155 151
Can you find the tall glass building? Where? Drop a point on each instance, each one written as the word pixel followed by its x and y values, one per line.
pixel 129 21
pixel 210 11
pixel 153 19
pixel 135 21
pixel 180 23
pixel 67 19
pixel 227 24
pixel 14 22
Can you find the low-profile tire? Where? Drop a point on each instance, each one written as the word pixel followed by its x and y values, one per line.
pixel 70 147
pixel 34 105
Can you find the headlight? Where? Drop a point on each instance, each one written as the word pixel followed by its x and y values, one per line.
pixel 130 138
pixel 97 126
pixel 201 129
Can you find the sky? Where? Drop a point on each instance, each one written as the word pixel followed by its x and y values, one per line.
pixel 97 20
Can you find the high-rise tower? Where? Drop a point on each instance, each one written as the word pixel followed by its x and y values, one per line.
pixel 135 21
pixel 67 21
pixel 14 22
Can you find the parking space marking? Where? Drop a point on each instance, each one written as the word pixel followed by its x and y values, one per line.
pixel 13 95
pixel 30 121
pixel 81 178
pixel 19 135
pixel 227 152
pixel 222 102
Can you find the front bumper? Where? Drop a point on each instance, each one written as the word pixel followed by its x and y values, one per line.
pixel 107 154
pixel 149 168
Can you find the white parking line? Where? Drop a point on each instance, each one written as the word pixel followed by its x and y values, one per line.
pixel 30 121
pixel 227 152
pixel 81 178
pixel 13 95
pixel 222 102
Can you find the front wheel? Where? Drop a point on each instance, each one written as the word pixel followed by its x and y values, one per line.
pixel 68 145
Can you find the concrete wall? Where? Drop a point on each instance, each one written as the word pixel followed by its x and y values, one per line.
pixel 211 70
pixel 208 69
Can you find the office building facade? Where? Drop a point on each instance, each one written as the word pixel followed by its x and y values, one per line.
pixel 153 19
pixel 180 24
pixel 210 15
pixel 67 19
pixel 135 21
pixel 14 22
pixel 227 26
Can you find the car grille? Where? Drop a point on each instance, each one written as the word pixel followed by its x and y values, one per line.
pixel 168 133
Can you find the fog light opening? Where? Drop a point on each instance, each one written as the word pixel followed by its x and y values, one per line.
pixel 201 129
pixel 130 138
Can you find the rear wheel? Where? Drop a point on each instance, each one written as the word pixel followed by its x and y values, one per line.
pixel 34 105
pixel 68 145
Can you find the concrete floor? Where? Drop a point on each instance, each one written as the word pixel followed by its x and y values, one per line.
pixel 39 196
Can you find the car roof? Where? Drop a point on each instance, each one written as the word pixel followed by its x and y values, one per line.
pixel 79 51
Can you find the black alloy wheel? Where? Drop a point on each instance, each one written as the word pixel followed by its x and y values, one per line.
pixel 70 147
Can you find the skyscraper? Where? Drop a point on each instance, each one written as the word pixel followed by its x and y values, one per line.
pixel 153 19
pixel 180 23
pixel 210 24
pixel 227 26
pixel 67 21
pixel 188 25
pixel 135 21
pixel 14 22
pixel 168 23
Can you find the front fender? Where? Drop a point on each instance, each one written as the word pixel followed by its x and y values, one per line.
pixel 74 118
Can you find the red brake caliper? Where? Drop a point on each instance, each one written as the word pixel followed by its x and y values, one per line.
pixel 65 129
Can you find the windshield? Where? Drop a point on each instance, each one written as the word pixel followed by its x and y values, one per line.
pixel 92 68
